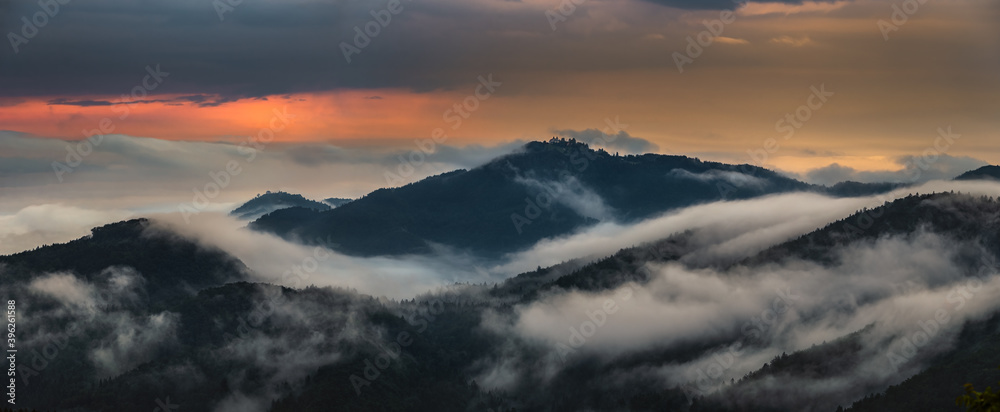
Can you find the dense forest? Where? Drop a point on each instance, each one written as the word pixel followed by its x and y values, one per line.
pixel 201 336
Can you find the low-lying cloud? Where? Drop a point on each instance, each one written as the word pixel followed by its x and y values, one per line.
pixel 759 313
pixel 912 169
pixel 144 175
pixel 45 224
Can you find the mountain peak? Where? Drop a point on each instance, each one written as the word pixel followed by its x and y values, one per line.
pixel 505 200
pixel 125 228
pixel 560 144
pixel 271 201
pixel 983 173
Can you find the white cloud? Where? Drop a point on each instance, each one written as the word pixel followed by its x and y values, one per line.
pixel 913 169
pixel 38 225
pixel 791 41
pixel 731 40
pixel 66 289
pixel 773 308
pixel 757 8
pixel 147 175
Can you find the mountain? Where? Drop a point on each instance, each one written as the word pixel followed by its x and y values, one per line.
pixel 545 190
pixel 973 360
pixel 853 189
pixel 134 317
pixel 982 173
pixel 791 381
pixel 271 201
pixel 972 224
pixel 170 267
pixel 961 216
pixel 100 305
pixel 220 343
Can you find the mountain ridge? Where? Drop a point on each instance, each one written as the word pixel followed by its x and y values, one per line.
pixel 544 190
pixel 989 172
pixel 216 323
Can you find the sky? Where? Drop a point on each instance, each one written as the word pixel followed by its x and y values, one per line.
pixel 214 72
pixel 111 109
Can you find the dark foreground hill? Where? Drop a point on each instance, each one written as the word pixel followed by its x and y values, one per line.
pixel 171 267
pixel 251 346
pixel 134 317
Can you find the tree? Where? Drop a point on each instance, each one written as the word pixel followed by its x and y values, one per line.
pixel 985 401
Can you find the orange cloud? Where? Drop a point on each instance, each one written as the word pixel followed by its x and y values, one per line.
pixel 354 115
pixel 792 41
pixel 759 9
pixel 731 40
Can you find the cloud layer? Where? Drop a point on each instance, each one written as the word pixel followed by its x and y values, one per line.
pixel 908 295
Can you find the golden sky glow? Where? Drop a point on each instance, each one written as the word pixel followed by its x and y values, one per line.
pixel 938 69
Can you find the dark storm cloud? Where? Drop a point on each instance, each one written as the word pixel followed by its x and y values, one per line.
pixel 259 49
pixel 81 103
pixel 263 48
pixel 199 99
pixel 717 4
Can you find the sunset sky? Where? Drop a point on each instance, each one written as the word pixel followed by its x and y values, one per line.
pixel 225 69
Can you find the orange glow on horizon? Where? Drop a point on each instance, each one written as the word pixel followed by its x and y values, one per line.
pixel 353 115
